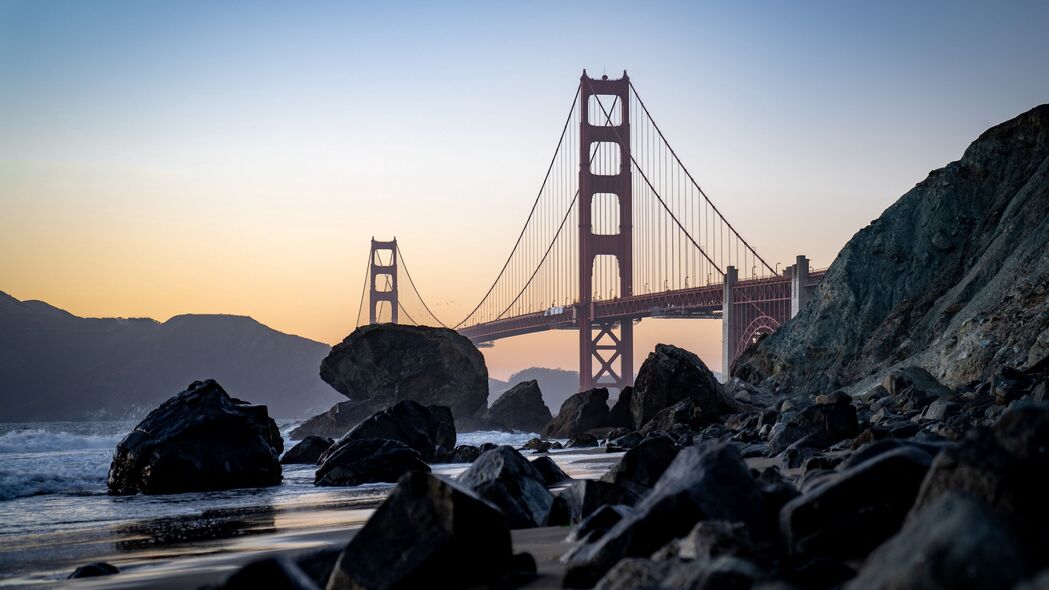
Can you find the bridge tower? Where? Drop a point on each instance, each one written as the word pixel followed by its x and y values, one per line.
pixel 611 342
pixel 385 276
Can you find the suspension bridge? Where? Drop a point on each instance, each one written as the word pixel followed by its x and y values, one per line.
pixel 619 231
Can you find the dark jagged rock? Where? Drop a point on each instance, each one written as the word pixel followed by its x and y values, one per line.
pixel 620 416
pixel 521 408
pixel 956 542
pixel 715 574
pixel 952 277
pixel 549 471
pixel 858 509
pixel 537 444
pixel 199 440
pixel 583 440
pixel 94 570
pixel 278 573
pixel 830 422
pixel 506 479
pixel 599 522
pixel 463 454
pixel 579 500
pixel 423 428
pixel 705 482
pixel 337 421
pixel 642 466
pixel 627 440
pixel 581 412
pixel 368 460
pixel 308 451
pixel 670 375
pixel 429 533
pixel 683 413
pixel 318 564
pixel 712 539
pixel 389 363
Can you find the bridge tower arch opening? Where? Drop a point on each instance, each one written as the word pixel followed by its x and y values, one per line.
pixel 606 348
pixel 382 275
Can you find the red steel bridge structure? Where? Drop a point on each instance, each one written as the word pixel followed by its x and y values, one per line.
pixel 619 231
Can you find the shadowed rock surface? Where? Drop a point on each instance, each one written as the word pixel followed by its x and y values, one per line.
pixel 308 451
pixel 199 440
pixel 520 408
pixel 426 429
pixel 581 412
pixel 952 277
pixel 507 480
pixel 368 460
pixel 670 375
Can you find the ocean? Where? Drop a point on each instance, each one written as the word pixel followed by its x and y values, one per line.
pixel 55 513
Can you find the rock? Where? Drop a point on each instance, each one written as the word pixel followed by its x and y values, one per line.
pixel 583 440
pixel 580 412
pixel 507 480
pixel 368 460
pixel 955 542
pixel 705 482
pixel 599 522
pixel 93 570
pixel 390 363
pixel 832 422
pixel 521 408
pixel 537 444
pixel 683 413
pixel 620 416
pixel 711 539
pixel 319 563
pixel 429 533
pixel 199 440
pixel 464 454
pixel 642 466
pixel 279 573
pixel 718 574
pixel 940 410
pixel 670 375
pixel 627 441
pixel 549 471
pixel 914 381
pixel 337 421
pixel 423 428
pixel 583 497
pixel 892 295
pixel 308 451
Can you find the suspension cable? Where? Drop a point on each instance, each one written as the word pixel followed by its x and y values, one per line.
pixel 408 273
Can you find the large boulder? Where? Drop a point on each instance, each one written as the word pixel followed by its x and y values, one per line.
pixel 388 363
pixel 429 533
pixel 670 375
pixel 506 479
pixel 308 451
pixel 643 465
pixel 580 412
pixel 831 420
pixel 521 408
pixel 368 460
pixel 425 429
pixel 199 440
pixel 337 421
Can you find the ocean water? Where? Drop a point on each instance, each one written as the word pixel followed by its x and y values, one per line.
pixel 54 510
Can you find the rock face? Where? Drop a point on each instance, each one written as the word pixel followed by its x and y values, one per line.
pixel 368 460
pixel 199 440
pixel 952 277
pixel 506 479
pixel 670 375
pixel 521 408
pixel 429 533
pixel 427 430
pixel 308 451
pixel 388 363
pixel 581 412
pixel 337 421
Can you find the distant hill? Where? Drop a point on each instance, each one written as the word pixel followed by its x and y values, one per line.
pixel 58 366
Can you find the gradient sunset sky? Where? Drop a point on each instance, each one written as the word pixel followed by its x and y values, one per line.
pixel 159 158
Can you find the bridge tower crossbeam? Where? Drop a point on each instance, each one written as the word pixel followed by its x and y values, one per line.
pixel 386 272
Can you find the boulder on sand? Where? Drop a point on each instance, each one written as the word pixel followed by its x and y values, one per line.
pixel 308 451
pixel 580 412
pixel 429 533
pixel 389 363
pixel 199 440
pixel 368 460
pixel 506 479
pixel 520 408
pixel 670 375
pixel 428 430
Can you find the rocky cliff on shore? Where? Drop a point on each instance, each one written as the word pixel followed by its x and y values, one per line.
pixel 953 277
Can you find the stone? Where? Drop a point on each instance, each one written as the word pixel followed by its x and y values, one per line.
pixel 833 422
pixel 536 444
pixel 337 421
pixel 429 533
pixel 627 441
pixel 956 542
pixel 581 412
pixel 368 460
pixel 199 440
pixel 939 410
pixel 279 573
pixel 717 574
pixel 642 466
pixel 859 508
pixel 521 408
pixel 549 471
pixel 583 497
pixel 704 482
pixel 94 570
pixel 599 522
pixel 423 428
pixel 683 413
pixel 463 454
pixel 711 539
pixel 670 375
pixel 307 451
pixel 620 416
pixel 583 440
pixel 390 363
pixel 505 478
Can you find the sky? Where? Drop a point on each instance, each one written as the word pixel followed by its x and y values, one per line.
pixel 160 158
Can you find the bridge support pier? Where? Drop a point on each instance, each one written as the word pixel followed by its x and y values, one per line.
pixel 387 274
pixel 730 330
pixel 800 287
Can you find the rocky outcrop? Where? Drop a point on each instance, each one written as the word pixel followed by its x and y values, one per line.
pixel 952 277
pixel 387 363
pixel 368 460
pixel 199 440
pixel 428 430
pixel 308 451
pixel 520 408
pixel 670 375
pixel 506 479
pixel 581 412
pixel 337 421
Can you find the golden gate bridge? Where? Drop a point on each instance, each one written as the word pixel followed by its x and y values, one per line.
pixel 619 231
